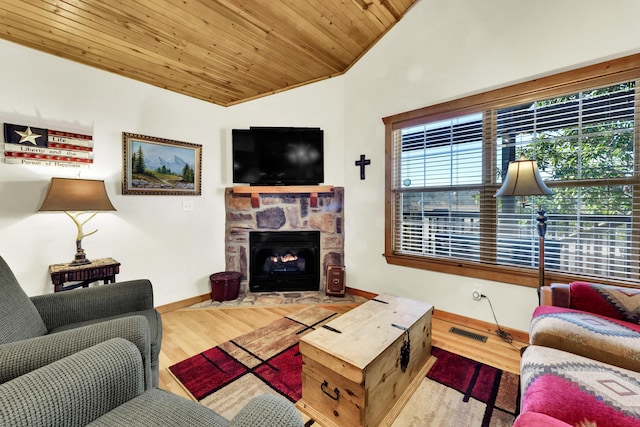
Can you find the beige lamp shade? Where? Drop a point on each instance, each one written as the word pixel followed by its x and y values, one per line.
pixel 523 179
pixel 76 195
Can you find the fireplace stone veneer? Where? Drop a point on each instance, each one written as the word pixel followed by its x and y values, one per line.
pixel 283 212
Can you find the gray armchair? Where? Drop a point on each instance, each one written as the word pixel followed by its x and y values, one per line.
pixel 104 386
pixel 39 330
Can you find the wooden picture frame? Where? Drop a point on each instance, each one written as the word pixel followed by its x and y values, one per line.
pixel 158 166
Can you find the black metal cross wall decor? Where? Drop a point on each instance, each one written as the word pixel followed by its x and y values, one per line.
pixel 362 163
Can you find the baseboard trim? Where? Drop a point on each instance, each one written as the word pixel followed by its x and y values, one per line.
pixel 464 321
pixel 360 293
pixel 479 325
pixel 183 303
pixel 467 322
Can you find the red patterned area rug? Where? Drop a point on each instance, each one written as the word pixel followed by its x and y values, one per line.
pixel 456 392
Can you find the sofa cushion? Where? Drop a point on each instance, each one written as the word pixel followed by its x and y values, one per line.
pixel 601 338
pixel 611 301
pixel 578 390
pixel 19 318
pixel 153 319
pixel 534 419
pixel 160 408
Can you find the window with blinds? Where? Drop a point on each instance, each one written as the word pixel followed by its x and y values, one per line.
pixel 439 175
pixel 584 145
pixel 445 172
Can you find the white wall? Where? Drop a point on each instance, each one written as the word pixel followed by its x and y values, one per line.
pixel 443 50
pixel 150 235
pixel 439 51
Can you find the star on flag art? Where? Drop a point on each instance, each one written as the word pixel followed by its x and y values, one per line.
pixel 30 145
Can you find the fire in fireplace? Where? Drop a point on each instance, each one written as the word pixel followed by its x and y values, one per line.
pixel 284 261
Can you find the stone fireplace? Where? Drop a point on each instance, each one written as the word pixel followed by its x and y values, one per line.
pixel 276 217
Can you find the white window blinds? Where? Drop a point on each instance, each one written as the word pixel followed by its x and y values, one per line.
pixel 445 172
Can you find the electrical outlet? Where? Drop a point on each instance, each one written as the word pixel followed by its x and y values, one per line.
pixel 187 205
pixel 476 293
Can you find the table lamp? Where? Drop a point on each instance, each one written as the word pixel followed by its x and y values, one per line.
pixel 76 197
pixel 523 179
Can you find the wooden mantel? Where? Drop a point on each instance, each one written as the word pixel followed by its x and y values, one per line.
pixel 255 191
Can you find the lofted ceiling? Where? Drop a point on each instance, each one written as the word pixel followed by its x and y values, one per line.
pixel 220 51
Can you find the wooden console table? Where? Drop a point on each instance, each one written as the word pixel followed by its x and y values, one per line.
pixel 104 269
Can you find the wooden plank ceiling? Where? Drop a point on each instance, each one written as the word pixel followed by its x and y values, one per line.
pixel 220 51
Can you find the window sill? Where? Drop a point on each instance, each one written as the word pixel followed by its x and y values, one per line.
pixel 517 276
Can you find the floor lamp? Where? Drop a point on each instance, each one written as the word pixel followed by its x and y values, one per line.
pixel 523 179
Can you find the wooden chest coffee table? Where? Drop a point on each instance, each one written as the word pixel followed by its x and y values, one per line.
pixel 353 372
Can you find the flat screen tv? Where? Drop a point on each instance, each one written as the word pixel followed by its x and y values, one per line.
pixel 278 156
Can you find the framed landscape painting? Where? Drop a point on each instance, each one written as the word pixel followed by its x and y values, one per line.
pixel 158 166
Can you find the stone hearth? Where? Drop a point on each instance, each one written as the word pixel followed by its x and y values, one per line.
pixel 283 212
pixel 261 299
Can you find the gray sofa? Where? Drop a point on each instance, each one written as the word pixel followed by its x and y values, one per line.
pixel 39 330
pixel 103 385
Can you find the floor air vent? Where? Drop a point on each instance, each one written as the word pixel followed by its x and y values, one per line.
pixel 468 334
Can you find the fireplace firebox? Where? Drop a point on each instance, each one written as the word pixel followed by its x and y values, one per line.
pixel 284 261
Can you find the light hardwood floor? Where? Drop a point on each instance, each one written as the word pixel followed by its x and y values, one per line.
pixel 189 331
